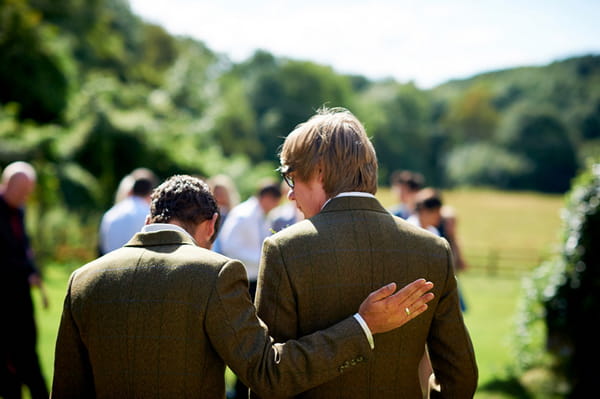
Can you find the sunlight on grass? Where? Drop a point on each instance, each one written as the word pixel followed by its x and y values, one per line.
pixel 48 320
pixel 490 319
pixel 507 220
pixel 501 219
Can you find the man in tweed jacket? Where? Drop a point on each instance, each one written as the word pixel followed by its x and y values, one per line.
pixel 315 272
pixel 162 316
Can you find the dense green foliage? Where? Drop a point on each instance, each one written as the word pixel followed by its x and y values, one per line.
pixel 576 298
pixel 90 91
pixel 562 294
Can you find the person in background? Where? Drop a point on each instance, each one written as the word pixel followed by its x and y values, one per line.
pixel 224 191
pixel 405 185
pixel 285 214
pixel 448 229
pixel 247 226
pixel 316 271
pixel 18 359
pixel 428 210
pixel 439 218
pixel 124 189
pixel 163 315
pixel 227 197
pixel 127 216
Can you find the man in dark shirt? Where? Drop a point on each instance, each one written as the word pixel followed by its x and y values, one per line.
pixel 19 361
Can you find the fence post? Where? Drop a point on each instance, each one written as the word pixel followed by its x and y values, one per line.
pixel 492 262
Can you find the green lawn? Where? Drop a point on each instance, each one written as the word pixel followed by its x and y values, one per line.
pixel 500 219
pixel 490 319
pixel 55 279
pixel 487 219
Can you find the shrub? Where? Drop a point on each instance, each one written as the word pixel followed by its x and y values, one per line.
pixel 62 236
pixel 561 297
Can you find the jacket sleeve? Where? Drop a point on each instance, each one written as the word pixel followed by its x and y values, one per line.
pixel 268 368
pixel 72 370
pixel 275 299
pixel 450 348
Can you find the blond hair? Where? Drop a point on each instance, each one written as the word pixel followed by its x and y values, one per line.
pixel 334 141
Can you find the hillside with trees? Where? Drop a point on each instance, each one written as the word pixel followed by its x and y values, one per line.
pixel 90 91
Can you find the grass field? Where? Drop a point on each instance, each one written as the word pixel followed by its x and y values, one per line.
pixel 487 219
pixel 502 220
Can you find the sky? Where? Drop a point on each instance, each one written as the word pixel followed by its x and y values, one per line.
pixel 427 42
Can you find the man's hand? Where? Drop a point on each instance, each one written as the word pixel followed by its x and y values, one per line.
pixel 383 311
pixel 36 281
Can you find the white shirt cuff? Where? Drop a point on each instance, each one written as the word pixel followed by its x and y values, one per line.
pixel 366 329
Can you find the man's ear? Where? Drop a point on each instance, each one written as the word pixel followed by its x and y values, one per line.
pixel 212 223
pixel 204 231
pixel 320 173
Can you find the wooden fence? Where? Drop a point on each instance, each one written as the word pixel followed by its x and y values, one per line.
pixel 504 262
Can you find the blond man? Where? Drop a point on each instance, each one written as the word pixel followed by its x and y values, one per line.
pixel 317 271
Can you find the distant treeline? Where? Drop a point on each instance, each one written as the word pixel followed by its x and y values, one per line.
pixel 89 91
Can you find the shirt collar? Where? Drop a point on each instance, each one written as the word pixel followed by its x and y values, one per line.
pixel 350 194
pixel 149 228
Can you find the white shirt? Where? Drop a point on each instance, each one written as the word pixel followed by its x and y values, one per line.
pixel 121 222
pixel 350 194
pixel 242 235
pixel 414 220
pixel 149 228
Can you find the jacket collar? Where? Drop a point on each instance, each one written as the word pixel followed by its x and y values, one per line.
pixel 354 203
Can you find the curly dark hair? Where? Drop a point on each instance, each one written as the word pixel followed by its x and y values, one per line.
pixel 183 198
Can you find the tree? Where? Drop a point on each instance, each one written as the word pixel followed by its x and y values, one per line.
pixel 157 51
pixel 398 118
pixel 284 93
pixel 538 136
pixel 30 74
pixel 484 164
pixel 472 117
pixel 192 80
pixel 234 124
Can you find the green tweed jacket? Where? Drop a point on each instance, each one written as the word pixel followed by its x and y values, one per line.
pixel 160 318
pixel 315 273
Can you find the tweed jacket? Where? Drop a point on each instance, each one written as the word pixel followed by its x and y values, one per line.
pixel 161 317
pixel 315 273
